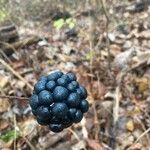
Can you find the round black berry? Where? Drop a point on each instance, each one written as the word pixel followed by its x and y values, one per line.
pixel 60 94
pixel 66 122
pixel 59 110
pixel 45 98
pixel 73 100
pixel 55 120
pixel 84 106
pixel 59 73
pixel 43 121
pixel 43 78
pixel 65 77
pixel 72 113
pixel 56 127
pixel 62 82
pixel 72 86
pixel 71 76
pixel 78 116
pixel 34 101
pixel 39 86
pixel 50 85
pixel 44 112
pixel 34 112
pixel 82 92
pixel 54 76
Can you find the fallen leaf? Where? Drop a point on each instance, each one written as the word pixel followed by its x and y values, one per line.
pixel 136 146
pixel 95 145
pixel 79 145
pixel 130 125
pixel 142 83
pixel 27 127
pixel 3 124
pixel 4 81
pixel 4 105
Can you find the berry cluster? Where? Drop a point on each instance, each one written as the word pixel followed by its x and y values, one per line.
pixel 58 101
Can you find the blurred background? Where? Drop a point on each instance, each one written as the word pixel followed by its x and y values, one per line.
pixel 105 42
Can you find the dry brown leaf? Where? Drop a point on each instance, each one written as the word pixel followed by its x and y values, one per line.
pixel 28 126
pixel 4 81
pixel 142 83
pixel 115 49
pixel 4 105
pixel 98 89
pixel 3 124
pixel 137 146
pixel 95 145
pixel 144 34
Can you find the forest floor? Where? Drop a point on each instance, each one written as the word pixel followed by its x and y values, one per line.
pixel 109 51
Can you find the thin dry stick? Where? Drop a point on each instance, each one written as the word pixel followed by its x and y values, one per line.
pixel 116 105
pixel 15 134
pixel 141 136
pixel 5 56
pixel 107 27
pixel 14 97
pixel 16 73
pixel 75 135
pixel 116 110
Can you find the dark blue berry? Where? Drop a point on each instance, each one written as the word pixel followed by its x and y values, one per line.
pixel 54 76
pixel 66 122
pixel 59 73
pixel 59 110
pixel 73 100
pixel 78 116
pixel 56 127
pixel 50 85
pixel 84 106
pixel 75 83
pixel 55 120
pixel 45 98
pixel 34 112
pixel 71 76
pixel 39 86
pixel 43 121
pixel 60 94
pixel 72 113
pixel 43 78
pixel 34 101
pixel 62 82
pixel 44 112
pixel 72 86
pixel 82 92
pixel 65 77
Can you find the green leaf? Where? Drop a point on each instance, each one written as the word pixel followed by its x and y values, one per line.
pixel 58 24
pixel 71 22
pixel 10 135
pixel 71 25
pixel 68 20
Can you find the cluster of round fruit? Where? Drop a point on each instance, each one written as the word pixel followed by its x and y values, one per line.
pixel 58 101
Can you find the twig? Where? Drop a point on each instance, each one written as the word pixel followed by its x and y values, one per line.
pixel 117 98
pixel 143 134
pixel 116 105
pixel 16 73
pixel 107 38
pixel 10 48
pixel 75 135
pixel 14 97
pixel 15 134
pixel 5 56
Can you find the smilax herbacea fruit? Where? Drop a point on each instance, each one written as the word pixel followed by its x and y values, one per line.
pixel 58 101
